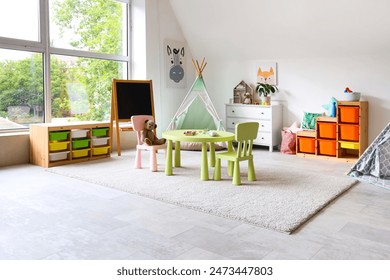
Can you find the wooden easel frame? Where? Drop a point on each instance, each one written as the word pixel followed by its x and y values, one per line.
pixel 114 109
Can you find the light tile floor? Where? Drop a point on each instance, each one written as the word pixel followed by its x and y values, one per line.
pixel 49 216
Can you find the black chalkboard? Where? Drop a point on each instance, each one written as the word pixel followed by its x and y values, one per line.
pixel 132 97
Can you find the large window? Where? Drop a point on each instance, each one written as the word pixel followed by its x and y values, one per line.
pixel 21 88
pixel 58 63
pixel 12 13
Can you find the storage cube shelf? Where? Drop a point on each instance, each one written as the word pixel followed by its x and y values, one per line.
pixel 54 144
pixel 344 137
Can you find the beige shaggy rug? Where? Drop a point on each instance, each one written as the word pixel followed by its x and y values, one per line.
pixel 281 199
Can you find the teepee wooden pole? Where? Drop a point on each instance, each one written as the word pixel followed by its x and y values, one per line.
pixel 199 68
pixel 204 66
pixel 193 62
pixel 196 68
pixel 199 71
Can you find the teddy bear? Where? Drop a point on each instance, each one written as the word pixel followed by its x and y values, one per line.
pixel 247 98
pixel 147 135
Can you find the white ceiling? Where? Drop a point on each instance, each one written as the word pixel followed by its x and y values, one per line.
pixel 267 29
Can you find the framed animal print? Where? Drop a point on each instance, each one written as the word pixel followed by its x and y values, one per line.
pixel 175 62
pixel 267 73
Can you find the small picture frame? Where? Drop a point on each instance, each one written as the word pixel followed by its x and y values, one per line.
pixel 267 73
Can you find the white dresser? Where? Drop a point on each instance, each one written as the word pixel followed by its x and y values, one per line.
pixel 268 117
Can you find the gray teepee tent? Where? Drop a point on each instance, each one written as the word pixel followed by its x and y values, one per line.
pixel 374 164
pixel 197 111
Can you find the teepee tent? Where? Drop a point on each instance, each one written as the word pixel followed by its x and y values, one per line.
pixel 197 111
pixel 374 164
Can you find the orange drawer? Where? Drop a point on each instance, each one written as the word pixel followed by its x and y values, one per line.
pixel 306 145
pixel 349 132
pixel 326 130
pixel 326 147
pixel 348 114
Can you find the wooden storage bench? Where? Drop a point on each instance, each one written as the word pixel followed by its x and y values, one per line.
pixel 58 144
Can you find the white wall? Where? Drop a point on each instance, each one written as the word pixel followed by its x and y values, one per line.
pixel 161 24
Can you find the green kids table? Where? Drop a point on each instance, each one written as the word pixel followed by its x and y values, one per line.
pixel 198 136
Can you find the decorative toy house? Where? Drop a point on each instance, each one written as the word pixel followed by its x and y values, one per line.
pixel 239 92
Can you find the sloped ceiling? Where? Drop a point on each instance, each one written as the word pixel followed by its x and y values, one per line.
pixel 259 29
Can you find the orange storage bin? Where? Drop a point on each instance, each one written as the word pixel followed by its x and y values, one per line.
pixel 326 147
pixel 349 114
pixel 349 132
pixel 326 130
pixel 306 145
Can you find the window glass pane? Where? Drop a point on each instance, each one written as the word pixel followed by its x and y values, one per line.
pixel 21 89
pixel 81 87
pixel 89 25
pixel 19 19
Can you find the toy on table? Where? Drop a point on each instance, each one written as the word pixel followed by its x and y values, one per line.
pixel 189 132
pixel 147 135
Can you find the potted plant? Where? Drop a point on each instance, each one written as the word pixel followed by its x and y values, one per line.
pixel 264 90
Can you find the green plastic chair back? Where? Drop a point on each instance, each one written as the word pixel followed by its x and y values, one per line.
pixel 246 131
pixel 245 134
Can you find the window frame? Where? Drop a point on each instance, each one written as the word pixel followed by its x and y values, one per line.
pixel 43 47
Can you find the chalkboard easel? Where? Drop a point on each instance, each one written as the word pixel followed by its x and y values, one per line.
pixel 129 98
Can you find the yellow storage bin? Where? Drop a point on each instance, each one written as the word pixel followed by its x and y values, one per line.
pixel 349 145
pixel 58 146
pixel 100 151
pixel 80 153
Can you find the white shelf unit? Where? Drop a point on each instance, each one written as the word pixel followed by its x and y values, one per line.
pixel 268 117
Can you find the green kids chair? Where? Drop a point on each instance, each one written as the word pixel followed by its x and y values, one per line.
pixel 245 134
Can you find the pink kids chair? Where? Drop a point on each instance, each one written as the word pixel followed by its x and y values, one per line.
pixel 139 125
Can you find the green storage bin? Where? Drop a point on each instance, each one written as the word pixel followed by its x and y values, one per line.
pixel 80 143
pixel 58 135
pixel 99 132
